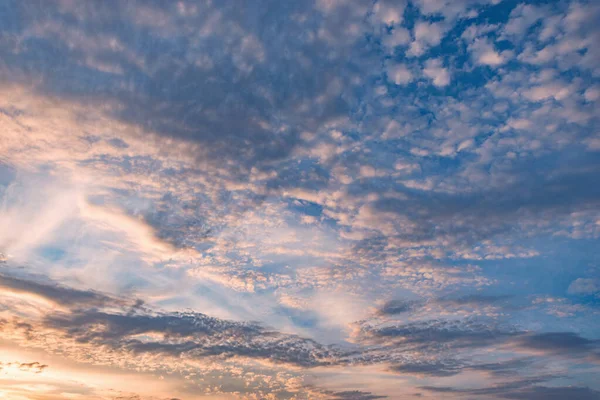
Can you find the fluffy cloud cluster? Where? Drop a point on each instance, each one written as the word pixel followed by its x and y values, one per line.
pixel 406 188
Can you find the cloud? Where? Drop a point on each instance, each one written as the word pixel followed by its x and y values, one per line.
pixel 484 53
pixel 34 366
pixel 388 12
pixel 399 36
pixel 584 286
pixel 194 334
pixel 503 369
pixel 98 321
pixel 399 74
pixel 392 190
pixel 451 9
pixel 402 306
pixel 242 99
pixel 434 71
pixel 355 395
pixel 522 17
pixel 57 294
pixel 592 94
pixel 475 299
pixel 433 333
pixel 436 369
pixel 562 343
pixel 427 35
pixel 190 333
pixel 486 213
pixel 515 391
pixel 543 392
pixel 126 327
pixel 394 307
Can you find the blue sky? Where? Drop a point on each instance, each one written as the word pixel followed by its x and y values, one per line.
pixel 327 199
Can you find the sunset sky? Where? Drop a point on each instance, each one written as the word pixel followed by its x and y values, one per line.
pixel 311 199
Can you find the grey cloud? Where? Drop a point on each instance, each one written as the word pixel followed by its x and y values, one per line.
pixel 60 294
pixel 435 333
pixel 138 397
pixel 555 393
pixel 524 389
pixel 474 216
pixel 474 299
pixel 450 367
pixel 440 389
pixel 197 335
pixel 401 306
pixel 355 395
pixel 566 343
pixel 231 78
pixel 447 344
pixel 394 307
pixel 118 143
pixel 438 368
pixel 234 82
pixel 497 390
pixel 504 368
pixel 194 334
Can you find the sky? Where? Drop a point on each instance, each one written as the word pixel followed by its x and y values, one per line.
pixel 316 199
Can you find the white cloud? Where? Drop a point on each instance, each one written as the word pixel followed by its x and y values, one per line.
pixel 436 72
pixel 522 17
pixel 388 12
pixel 427 34
pixel 399 36
pixel 484 53
pixel 450 9
pixel 592 93
pixel 555 90
pixel 593 143
pixel 583 286
pixel 399 74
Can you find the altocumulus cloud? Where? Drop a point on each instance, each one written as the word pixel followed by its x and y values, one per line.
pixel 322 199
